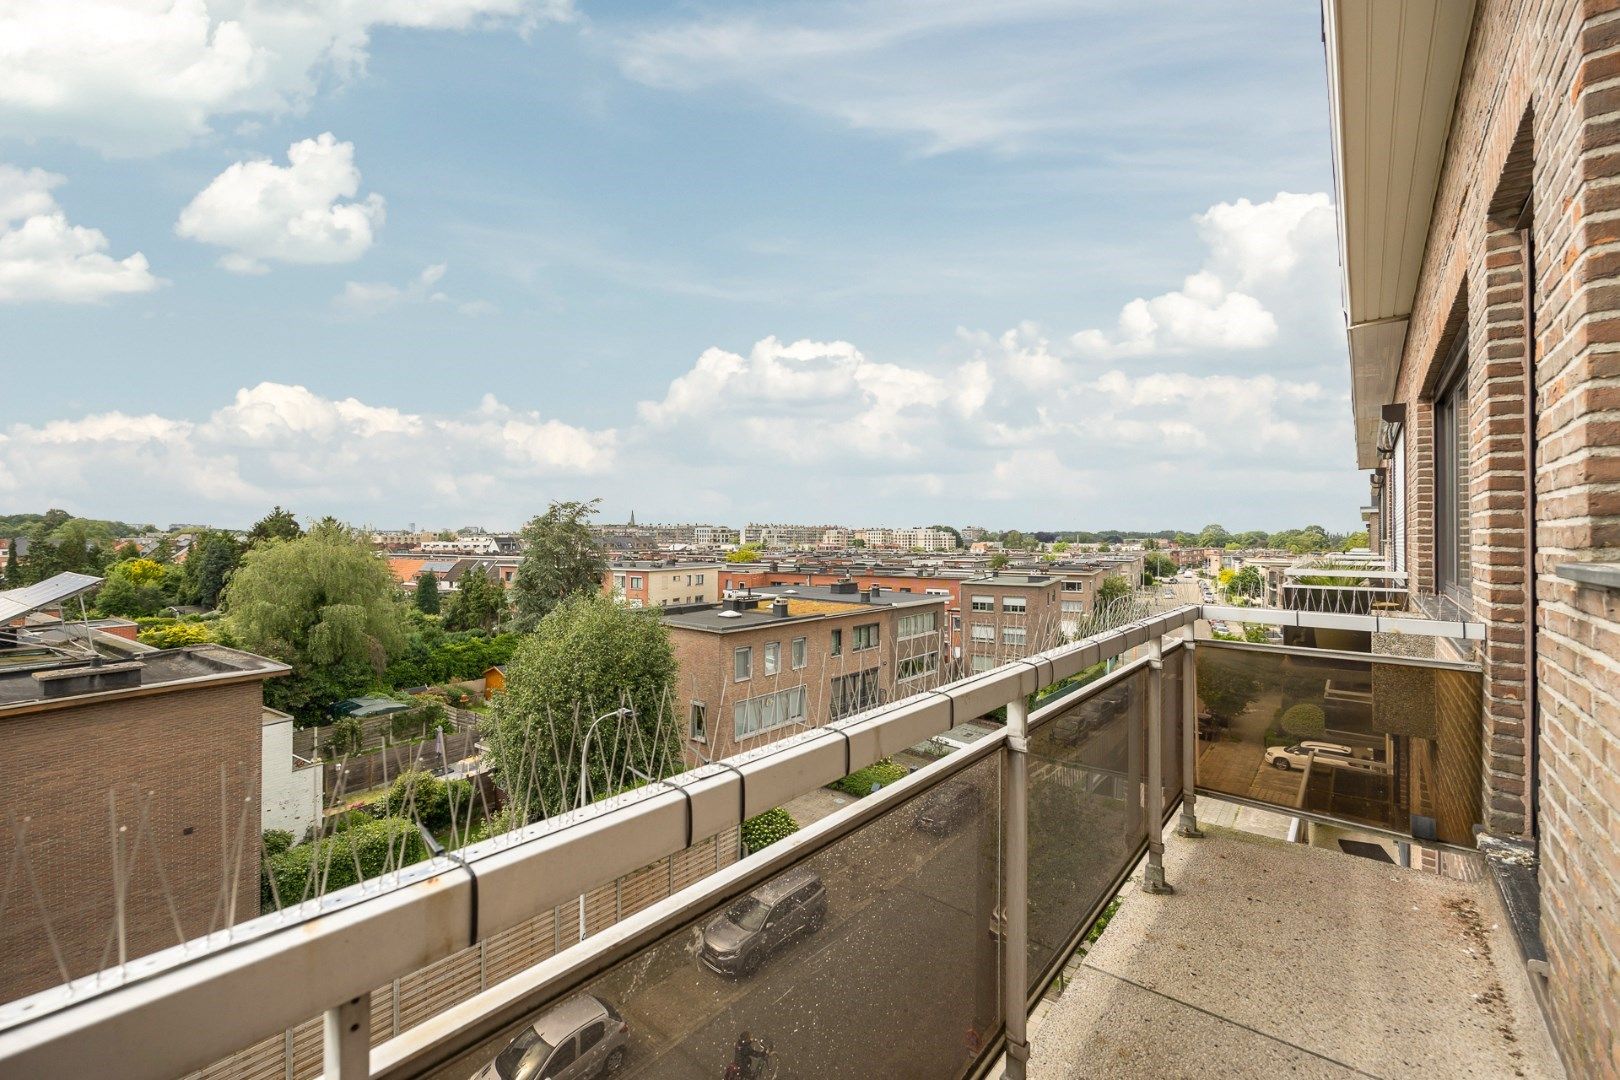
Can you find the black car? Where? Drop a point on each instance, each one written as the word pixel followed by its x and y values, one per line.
pixel 741 938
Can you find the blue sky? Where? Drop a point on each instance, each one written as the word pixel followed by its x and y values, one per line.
pixel 1025 264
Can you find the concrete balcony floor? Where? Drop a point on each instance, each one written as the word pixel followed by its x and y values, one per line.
pixel 1278 959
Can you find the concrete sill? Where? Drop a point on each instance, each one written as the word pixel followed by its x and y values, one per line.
pixel 1594 574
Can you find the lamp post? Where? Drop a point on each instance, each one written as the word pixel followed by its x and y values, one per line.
pixel 584 780
pixel 585 747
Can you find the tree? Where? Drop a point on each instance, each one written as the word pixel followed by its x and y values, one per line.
pixel 1111 588
pixel 427 592
pixel 13 575
pixel 999 560
pixel 325 604
pixel 587 657
pixel 278 524
pixel 1355 540
pixel 750 552
pixel 1159 565
pixel 208 566
pixel 1225 685
pixel 560 558
pixel 136 588
pixel 957 536
pixel 478 603
pixel 1212 536
pixel 1245 582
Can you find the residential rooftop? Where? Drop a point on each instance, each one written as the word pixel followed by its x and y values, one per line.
pixel 799 603
pixel 52 678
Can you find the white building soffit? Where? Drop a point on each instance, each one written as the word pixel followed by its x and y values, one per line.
pixel 1392 84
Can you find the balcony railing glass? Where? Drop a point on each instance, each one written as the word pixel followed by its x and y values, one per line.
pixel 1388 742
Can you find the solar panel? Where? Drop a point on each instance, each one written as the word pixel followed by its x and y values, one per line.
pixel 15 603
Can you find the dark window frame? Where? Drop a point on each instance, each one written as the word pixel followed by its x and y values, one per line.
pixel 1452 517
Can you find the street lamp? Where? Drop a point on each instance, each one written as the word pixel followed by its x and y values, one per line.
pixel 585 747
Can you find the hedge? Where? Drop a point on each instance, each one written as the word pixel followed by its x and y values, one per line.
pixel 859 783
pixel 427 798
pixel 376 844
pixel 766 829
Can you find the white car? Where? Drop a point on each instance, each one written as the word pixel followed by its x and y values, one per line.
pixel 1299 755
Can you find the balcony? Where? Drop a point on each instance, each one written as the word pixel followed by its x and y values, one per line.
pixel 912 932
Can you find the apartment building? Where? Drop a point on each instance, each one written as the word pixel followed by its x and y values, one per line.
pixel 762 665
pixel 661 582
pixel 139 778
pixel 1077 592
pixel 1478 170
pixel 785 537
pixel 917 538
pixel 1009 615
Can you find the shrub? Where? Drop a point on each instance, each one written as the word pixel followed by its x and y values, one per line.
pixel 346 738
pixel 1304 721
pixel 428 799
pixel 376 846
pixel 859 783
pixel 174 635
pixel 276 841
pixel 766 829
pixel 497 824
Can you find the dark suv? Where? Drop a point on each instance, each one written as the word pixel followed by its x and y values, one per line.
pixel 741 938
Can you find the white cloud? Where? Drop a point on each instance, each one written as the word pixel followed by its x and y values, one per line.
pixel 293 213
pixel 363 298
pixel 137 77
pixel 1279 250
pixel 44 257
pixel 276 442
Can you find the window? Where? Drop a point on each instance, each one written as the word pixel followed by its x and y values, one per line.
pixel 983 663
pixel 562 1059
pixel 700 722
pixel 773 657
pixel 635 581
pixel 635 603
pixel 742 664
pixel 768 711
pixel 853 693
pixel 915 667
pixel 1074 586
pixel 918 625
pixel 591 1036
pixel 836 648
pixel 1012 635
pixel 618 582
pixel 801 653
pixel 1451 490
pixel 984 631
pixel 700 579
pixel 1013 605
pixel 984 603
pixel 956 623
pixel 866 636
pixel 1074 607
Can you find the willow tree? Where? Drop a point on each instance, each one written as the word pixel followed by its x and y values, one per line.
pixel 325 604
pixel 566 685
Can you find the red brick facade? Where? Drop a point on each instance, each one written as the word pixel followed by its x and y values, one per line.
pixel 1537 117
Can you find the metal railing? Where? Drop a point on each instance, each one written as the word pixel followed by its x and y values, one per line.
pixel 994 861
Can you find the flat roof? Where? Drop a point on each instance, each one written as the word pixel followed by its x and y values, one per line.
pixel 805 603
pixel 1013 579
pixel 162 668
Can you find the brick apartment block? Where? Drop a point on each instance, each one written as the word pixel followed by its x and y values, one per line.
pixel 156 757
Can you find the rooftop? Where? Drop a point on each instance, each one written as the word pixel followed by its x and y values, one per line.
pixel 1012 579
pixel 25 685
pixel 804 602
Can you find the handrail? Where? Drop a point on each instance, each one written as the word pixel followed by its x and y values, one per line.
pixel 274 972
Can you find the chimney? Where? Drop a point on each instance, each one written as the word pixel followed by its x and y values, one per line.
pixel 845 587
pixel 779 608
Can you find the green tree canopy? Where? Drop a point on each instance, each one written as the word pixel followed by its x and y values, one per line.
pixel 209 564
pixel 1225 684
pixel 278 524
pixel 560 558
pixel 324 603
pixel 586 658
pixel 750 552
pixel 427 592
pixel 136 588
pixel 1111 588
pixel 1212 536
pixel 999 560
pixel 478 603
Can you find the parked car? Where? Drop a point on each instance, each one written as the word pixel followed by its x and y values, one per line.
pixel 1299 755
pixel 753 927
pixel 583 1036
pixel 946 807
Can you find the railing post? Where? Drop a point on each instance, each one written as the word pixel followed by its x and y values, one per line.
pixel 1153 872
pixel 1015 936
pixel 1188 825
pixel 348 1040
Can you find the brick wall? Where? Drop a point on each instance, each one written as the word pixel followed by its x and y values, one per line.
pixel 175 775
pixel 1538 113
